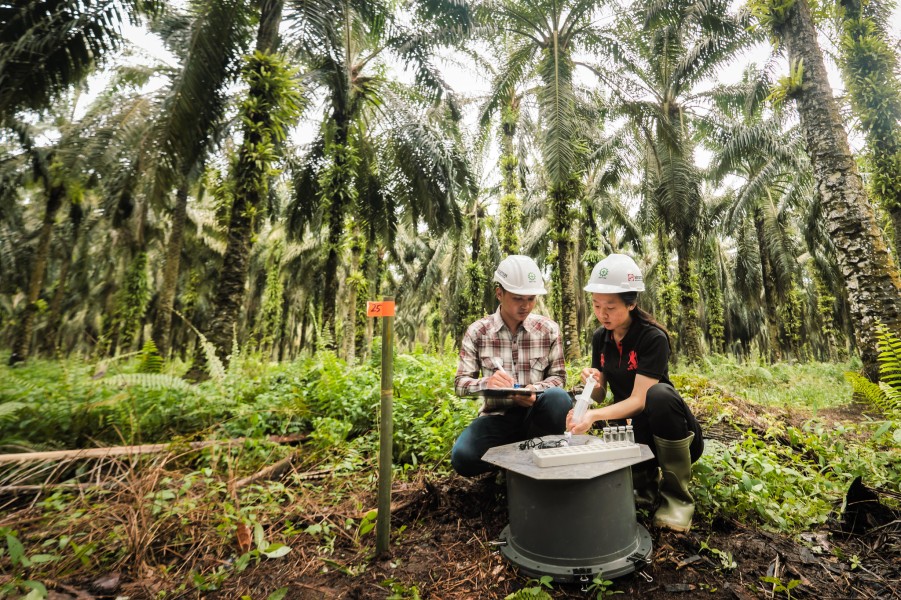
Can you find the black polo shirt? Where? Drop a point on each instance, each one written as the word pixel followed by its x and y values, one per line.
pixel 644 351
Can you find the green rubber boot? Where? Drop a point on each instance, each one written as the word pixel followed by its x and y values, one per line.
pixel 646 482
pixel 677 507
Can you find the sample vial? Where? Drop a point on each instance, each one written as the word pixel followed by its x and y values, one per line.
pixel 630 434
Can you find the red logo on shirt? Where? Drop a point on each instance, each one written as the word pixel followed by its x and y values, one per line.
pixel 633 361
pixel 602 361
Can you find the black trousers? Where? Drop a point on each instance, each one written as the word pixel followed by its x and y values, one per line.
pixel 666 416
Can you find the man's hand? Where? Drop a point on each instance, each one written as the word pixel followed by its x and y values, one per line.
pixel 500 379
pixel 526 398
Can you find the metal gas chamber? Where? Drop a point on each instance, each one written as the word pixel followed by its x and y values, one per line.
pixel 571 522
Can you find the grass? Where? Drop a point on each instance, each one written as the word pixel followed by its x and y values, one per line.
pixel 811 385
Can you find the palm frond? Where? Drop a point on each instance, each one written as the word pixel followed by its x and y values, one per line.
pixel 150 381
pixel 196 100
pixel 560 140
pixel 49 45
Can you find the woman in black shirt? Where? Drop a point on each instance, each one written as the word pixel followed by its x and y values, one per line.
pixel 630 353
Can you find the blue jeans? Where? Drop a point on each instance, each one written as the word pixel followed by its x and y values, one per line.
pixel 546 417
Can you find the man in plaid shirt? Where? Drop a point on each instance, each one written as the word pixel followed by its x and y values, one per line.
pixel 507 349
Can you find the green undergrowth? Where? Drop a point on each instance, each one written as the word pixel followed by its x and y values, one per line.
pixel 794 479
pixel 780 476
pixel 785 477
pixel 812 386
pixel 67 404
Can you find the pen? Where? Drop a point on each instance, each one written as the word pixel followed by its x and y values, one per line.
pixel 500 367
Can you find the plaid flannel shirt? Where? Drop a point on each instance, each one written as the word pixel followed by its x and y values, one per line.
pixel 533 356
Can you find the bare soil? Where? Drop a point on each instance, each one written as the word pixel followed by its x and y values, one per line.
pixel 441 533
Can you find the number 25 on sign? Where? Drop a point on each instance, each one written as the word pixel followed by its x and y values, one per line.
pixel 380 309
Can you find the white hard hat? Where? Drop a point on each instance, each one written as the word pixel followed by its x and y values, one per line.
pixel 520 275
pixel 615 274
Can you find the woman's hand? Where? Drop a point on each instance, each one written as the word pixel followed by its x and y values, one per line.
pixel 586 373
pixel 581 426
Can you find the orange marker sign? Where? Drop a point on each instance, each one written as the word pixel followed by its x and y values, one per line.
pixel 380 309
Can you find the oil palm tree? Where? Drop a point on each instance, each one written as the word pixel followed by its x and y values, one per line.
pixel 755 145
pixel 58 181
pixel 659 54
pixel 209 40
pixel 871 275
pixel 347 53
pixel 870 69
pixel 271 106
pixel 544 36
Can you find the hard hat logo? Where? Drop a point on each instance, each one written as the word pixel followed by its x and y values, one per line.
pixel 602 274
pixel 520 275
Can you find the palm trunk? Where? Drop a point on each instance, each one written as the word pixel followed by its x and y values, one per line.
pixel 869 66
pixel 230 288
pixel 371 272
pixel 453 322
pixel 330 297
pixel 510 208
pixel 354 283
pixel 774 352
pixel 569 324
pixel 163 326
pixel 22 343
pixel 48 342
pixel 690 338
pixel 304 323
pixel 368 273
pixel 283 336
pixel 668 303
pixel 270 21
pixel 871 275
pixel 56 305
pixel 895 214
pixel 339 196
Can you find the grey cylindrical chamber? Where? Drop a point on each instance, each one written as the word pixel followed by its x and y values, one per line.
pixel 573 528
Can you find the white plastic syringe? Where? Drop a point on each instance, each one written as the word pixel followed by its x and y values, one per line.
pixel 583 400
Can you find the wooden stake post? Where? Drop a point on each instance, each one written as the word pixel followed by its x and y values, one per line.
pixel 385 310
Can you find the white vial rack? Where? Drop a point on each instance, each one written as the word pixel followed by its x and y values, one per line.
pixel 584 453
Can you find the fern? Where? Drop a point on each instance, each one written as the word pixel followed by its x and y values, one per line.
pixel 103 365
pixel 8 409
pixel 151 361
pixel 889 346
pixel 892 397
pixel 214 366
pixel 153 381
pixel 233 369
pixel 866 388
pixel 886 395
